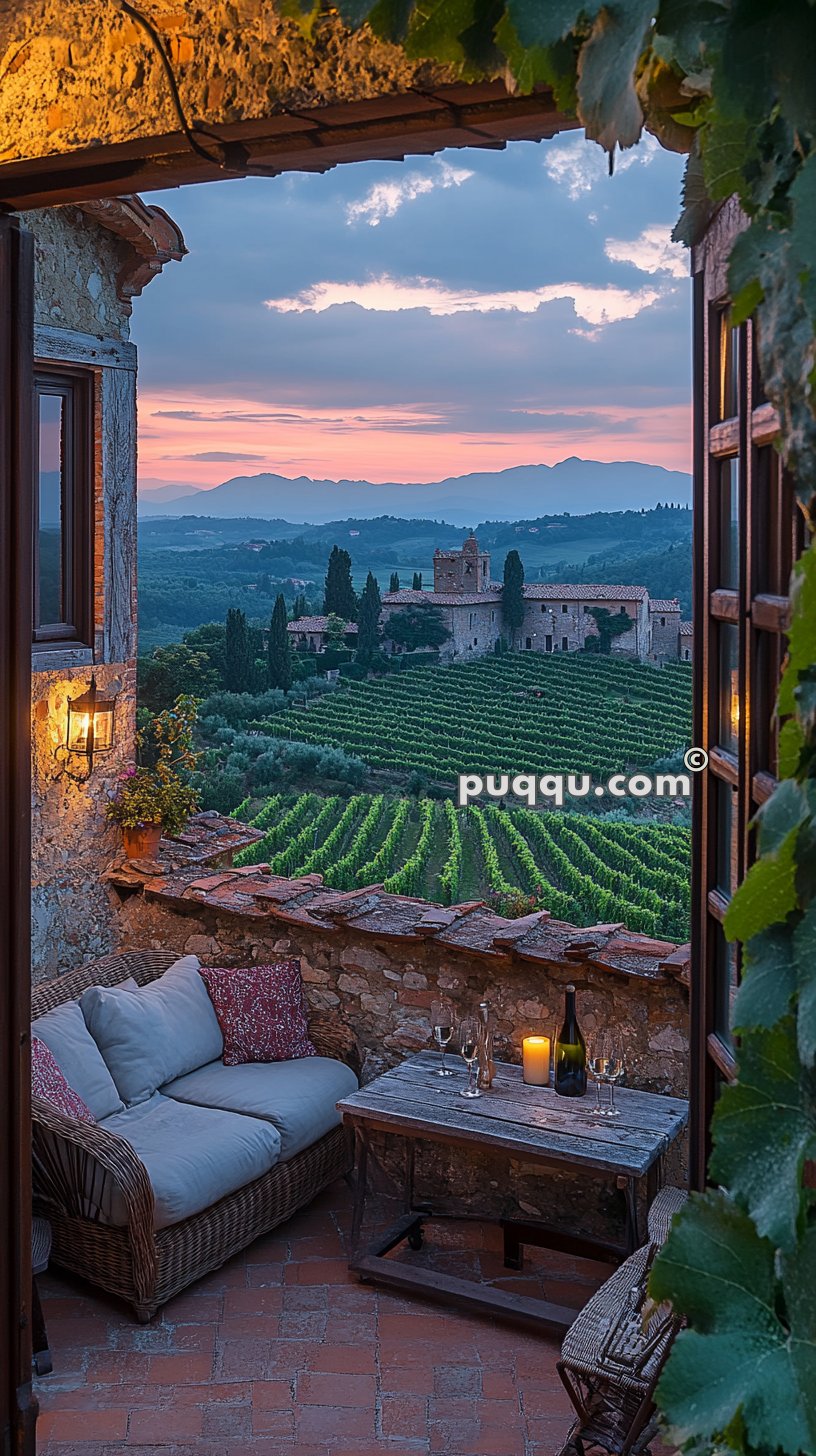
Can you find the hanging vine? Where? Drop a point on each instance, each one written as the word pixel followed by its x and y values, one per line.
pixel 729 82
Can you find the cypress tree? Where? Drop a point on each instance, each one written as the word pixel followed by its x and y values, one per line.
pixel 340 596
pixel 513 595
pixel 417 581
pixel 368 622
pixel 299 606
pixel 394 584
pixel 239 660
pixel 278 648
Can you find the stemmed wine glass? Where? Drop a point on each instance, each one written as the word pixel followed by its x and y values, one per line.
pixel 469 1047
pixel 605 1065
pixel 442 1026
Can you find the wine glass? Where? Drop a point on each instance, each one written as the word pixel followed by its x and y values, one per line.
pixel 442 1027
pixel 614 1074
pixel 596 1066
pixel 469 1047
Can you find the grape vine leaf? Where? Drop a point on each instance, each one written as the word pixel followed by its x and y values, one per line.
pixel 786 809
pixel 768 980
pixel 767 894
pixel 804 950
pixel 802 631
pixel 697 205
pixel 608 101
pixel 538 25
pixel 763 1131
pixel 741 1360
pixel 791 743
pixel 388 18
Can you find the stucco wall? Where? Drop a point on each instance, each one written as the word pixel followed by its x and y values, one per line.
pixel 76 263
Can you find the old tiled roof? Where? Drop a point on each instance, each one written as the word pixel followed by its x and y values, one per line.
pixel 584 591
pixel 441 599
pixel 686 629
pixel 670 604
pixel 180 880
pixel 316 624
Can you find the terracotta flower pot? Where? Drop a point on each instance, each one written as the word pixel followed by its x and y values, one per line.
pixel 142 842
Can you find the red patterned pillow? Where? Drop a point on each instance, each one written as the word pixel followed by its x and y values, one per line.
pixel 48 1082
pixel 261 1012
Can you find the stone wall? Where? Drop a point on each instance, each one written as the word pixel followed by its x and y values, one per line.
pixel 76 72
pixel 74 913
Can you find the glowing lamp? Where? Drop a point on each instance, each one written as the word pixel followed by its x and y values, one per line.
pixel 90 724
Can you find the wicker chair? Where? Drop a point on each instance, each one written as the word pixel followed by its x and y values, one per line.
pixel 614 1351
pixel 74 1161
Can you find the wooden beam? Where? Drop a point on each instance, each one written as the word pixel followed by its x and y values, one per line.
pixel 19 1407
pixel 387 128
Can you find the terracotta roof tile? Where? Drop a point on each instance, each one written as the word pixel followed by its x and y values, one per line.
pixel 315 624
pixel 658 604
pixel 584 591
pixel 686 629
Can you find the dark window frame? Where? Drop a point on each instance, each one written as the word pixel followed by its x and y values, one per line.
pixel 751 603
pixel 76 387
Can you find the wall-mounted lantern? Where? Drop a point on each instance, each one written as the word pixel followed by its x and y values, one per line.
pixel 90 724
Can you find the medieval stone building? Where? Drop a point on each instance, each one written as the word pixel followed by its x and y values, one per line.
pixel 557 618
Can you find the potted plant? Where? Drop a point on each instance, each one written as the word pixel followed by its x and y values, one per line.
pixel 154 796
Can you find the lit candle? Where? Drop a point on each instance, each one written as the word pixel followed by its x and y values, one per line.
pixel 536 1060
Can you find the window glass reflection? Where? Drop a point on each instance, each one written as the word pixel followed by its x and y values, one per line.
pixel 729 522
pixel 728 736
pixel 729 361
pixel 51 455
pixel 726 981
pixel 727 863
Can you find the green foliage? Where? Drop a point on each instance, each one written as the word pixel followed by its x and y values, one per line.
pixel 239 655
pixel 394 584
pixel 610 625
pixel 278 649
pixel 368 623
pixel 414 627
pixel 542 708
pixel 177 668
pixel 416 584
pixel 513 858
pixel 513 595
pixel 158 790
pixel 339 596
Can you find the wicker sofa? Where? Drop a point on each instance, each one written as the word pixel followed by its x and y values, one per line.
pixel 83 1168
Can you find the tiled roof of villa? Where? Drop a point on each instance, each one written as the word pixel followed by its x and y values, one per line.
pixel 584 591
pixel 669 604
pixel 316 624
pixel 686 629
pixel 441 599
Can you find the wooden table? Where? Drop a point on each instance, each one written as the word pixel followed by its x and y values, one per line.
pixel 531 1123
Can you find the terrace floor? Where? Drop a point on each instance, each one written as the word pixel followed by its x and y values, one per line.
pixel 282 1351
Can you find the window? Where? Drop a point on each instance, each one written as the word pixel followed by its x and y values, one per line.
pixel 564 607
pixel 63 508
pixel 548 647
pixel 662 621
pixel 528 642
pixel 623 611
pixel 565 644
pixel 747 534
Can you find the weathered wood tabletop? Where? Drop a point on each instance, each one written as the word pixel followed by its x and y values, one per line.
pixel 524 1120
pixel 415 1103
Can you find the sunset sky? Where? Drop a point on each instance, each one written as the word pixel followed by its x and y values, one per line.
pixel 409 321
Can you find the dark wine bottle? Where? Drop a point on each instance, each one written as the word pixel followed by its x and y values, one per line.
pixel 570 1053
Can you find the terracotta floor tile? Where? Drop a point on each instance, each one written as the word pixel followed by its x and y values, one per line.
pixel 284 1353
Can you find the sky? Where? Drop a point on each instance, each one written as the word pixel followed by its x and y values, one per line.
pixel 410 321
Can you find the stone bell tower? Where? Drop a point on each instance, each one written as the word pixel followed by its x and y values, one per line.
pixel 462 571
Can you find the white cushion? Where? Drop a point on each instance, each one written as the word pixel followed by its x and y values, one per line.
pixel 78 1057
pixel 193 1155
pixel 165 1030
pixel 298 1098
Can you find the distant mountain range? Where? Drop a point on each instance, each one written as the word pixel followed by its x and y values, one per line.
pixel 523 491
